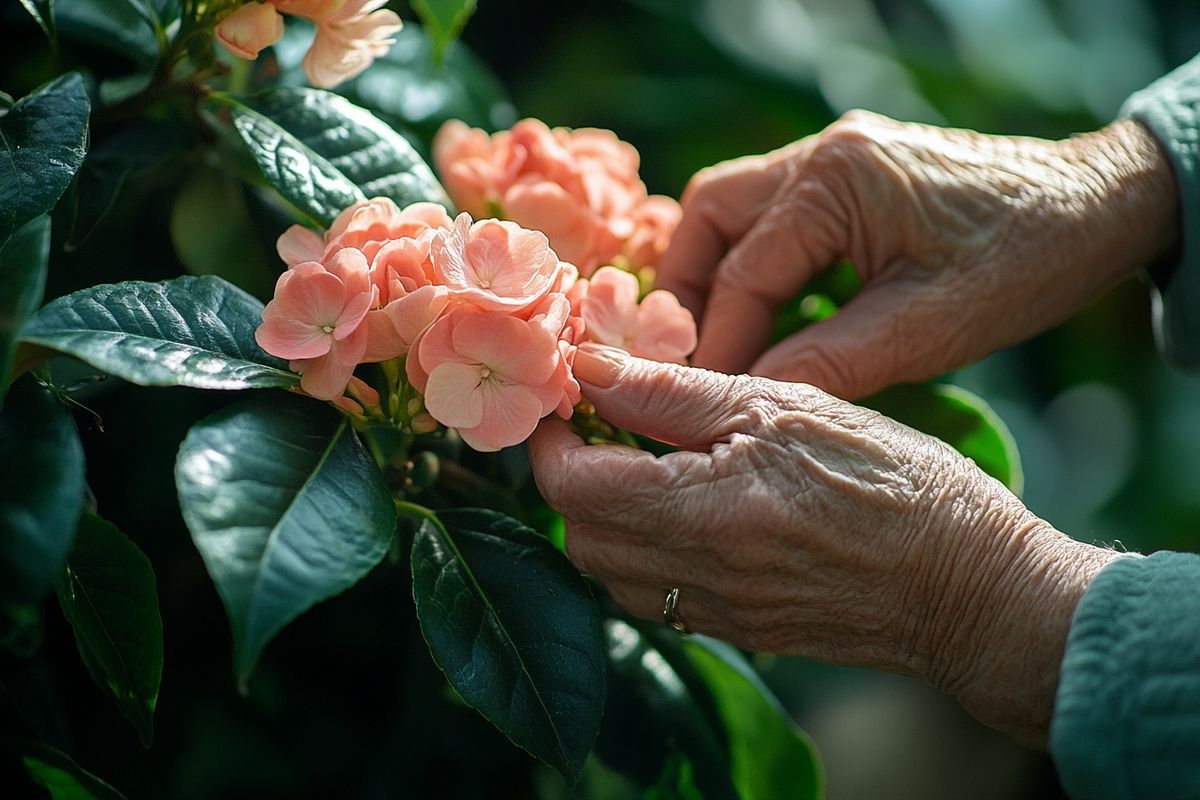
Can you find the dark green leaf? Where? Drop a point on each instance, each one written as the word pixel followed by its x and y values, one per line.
pixel 55 771
pixel 515 629
pixel 443 20
pixel 108 595
pixel 44 137
pixel 322 153
pixel 115 25
pixel 659 706
pixel 190 331
pixel 768 756
pixel 23 261
pixel 44 17
pixel 409 91
pixel 960 419
pixel 41 491
pixel 286 508
pixel 229 250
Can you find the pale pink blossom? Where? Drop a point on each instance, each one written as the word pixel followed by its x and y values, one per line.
pixel 494 265
pixel 315 321
pixel 654 221
pixel 367 226
pixel 408 301
pixel 659 328
pixel 250 29
pixel 350 35
pixel 490 375
pixel 578 234
pixel 476 168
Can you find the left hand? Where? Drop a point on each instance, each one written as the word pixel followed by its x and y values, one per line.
pixel 797 523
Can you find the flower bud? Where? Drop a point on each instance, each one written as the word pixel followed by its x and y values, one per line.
pixel 250 29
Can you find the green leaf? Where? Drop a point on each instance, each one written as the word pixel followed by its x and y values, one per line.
pixel 516 630
pixel 322 153
pixel 660 708
pixel 769 757
pixel 229 250
pixel 108 595
pixel 406 89
pixel 190 331
pixel 443 20
pixel 45 18
pixel 44 136
pixel 41 491
pixel 23 260
pixel 114 25
pixel 286 508
pixel 56 772
pixel 960 419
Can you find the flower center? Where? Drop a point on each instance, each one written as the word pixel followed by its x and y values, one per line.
pixel 485 372
pixel 327 328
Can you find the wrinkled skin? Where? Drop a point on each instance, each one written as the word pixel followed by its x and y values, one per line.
pixel 797 523
pixel 965 243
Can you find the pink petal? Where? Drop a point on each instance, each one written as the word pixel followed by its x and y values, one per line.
pixel 666 331
pixel 453 395
pixel 326 377
pixel 299 244
pixel 292 339
pixel 308 293
pixel 610 307
pixel 517 351
pixel 510 413
pixel 395 327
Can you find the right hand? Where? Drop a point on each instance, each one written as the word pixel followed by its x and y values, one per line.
pixel 965 243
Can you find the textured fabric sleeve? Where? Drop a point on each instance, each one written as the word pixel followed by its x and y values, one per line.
pixel 1170 108
pixel 1126 722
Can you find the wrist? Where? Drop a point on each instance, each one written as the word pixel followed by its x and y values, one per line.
pixel 1132 200
pixel 1003 625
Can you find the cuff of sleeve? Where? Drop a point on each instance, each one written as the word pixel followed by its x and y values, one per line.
pixel 1170 108
pixel 1127 714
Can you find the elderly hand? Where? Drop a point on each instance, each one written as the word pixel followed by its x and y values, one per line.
pixel 797 523
pixel 965 243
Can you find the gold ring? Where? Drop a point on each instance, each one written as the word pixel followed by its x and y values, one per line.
pixel 671 612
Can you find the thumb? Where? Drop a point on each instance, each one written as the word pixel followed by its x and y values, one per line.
pixel 879 338
pixel 672 403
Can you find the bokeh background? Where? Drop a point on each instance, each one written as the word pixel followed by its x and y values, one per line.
pixel 1109 435
pixel 343 704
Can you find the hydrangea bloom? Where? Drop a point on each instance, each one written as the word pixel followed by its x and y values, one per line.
pixel 476 322
pixel 350 34
pixel 579 187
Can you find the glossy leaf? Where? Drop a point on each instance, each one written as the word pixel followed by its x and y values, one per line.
pixel 43 138
pixel 410 92
pixel 23 260
pixel 41 491
pixel 114 25
pixel 660 709
pixel 443 20
pixel 322 153
pixel 190 331
pixel 515 629
pixel 768 756
pixel 960 419
pixel 59 775
pixel 109 596
pixel 43 15
pixel 286 508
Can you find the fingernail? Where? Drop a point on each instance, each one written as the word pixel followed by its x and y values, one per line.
pixel 598 364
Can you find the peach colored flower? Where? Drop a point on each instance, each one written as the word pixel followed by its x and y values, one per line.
pixel 476 168
pixel 490 375
pixel 654 221
pixel 366 226
pixel 350 35
pixel 250 29
pixel 494 265
pixel 659 328
pixel 577 234
pixel 408 302
pixel 315 321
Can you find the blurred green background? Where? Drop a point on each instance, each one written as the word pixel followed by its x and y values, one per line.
pixel 1109 435
pixel 344 703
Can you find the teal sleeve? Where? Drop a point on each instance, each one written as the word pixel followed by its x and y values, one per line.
pixel 1126 719
pixel 1170 108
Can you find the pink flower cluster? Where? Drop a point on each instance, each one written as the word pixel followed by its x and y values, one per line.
pixel 350 34
pixel 485 315
pixel 580 187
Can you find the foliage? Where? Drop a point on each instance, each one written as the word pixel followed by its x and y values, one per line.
pixel 288 503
